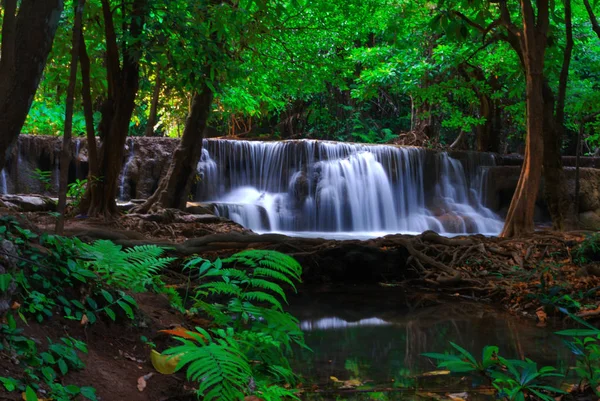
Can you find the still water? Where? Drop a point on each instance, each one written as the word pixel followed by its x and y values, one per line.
pixel 376 336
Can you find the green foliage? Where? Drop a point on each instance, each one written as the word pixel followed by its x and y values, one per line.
pixel 588 250
pixel 133 269
pixel 44 177
pixel 585 345
pixel 218 364
pixel 514 380
pixel 76 191
pixel 244 295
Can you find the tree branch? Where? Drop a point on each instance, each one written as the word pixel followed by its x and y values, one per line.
pixel 593 20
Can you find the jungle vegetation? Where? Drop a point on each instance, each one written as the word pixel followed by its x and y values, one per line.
pixel 502 76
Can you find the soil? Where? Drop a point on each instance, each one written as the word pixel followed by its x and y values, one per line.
pixel 116 356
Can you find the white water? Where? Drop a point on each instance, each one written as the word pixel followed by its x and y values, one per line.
pixel 76 156
pixel 124 171
pixel 3 182
pixel 311 188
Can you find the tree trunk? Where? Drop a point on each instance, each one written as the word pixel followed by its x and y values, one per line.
pixel 174 188
pixel 88 111
pixel 65 157
pixel 123 84
pixel 154 105
pixel 26 41
pixel 519 220
pixel 554 176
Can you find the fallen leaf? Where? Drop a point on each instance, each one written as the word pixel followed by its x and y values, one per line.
pixel 334 379
pixel 142 381
pixel 15 305
pixel 458 396
pixel 84 320
pixel 436 373
pixel 542 317
pixel 181 332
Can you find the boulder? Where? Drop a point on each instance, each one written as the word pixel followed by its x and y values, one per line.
pixel 589 221
pixel 30 203
pixel 199 208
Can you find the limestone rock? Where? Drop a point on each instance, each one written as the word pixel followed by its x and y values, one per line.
pixel 589 221
pixel 30 203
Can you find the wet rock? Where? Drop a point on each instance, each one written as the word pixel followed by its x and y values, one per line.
pixel 299 188
pixel 454 223
pixel 199 208
pixel 30 203
pixel 125 206
pixel 589 221
pixel 199 218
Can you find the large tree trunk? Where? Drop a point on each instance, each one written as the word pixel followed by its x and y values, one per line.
pixel 27 38
pixel 154 105
pixel 174 188
pixel 123 84
pixel 533 45
pixel 65 157
pixel 554 177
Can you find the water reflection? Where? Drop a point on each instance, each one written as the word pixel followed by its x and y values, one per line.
pixel 377 337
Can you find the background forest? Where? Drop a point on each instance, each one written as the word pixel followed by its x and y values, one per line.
pixel 352 71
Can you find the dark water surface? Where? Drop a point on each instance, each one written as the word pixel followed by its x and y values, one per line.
pixel 376 335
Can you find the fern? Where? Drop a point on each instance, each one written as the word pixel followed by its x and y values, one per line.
pixel 132 269
pixel 217 363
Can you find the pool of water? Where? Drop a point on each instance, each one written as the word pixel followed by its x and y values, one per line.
pixel 376 336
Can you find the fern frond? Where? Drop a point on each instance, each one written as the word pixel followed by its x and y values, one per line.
pixel 259 296
pixel 222 288
pixel 268 285
pixel 218 365
pixel 132 269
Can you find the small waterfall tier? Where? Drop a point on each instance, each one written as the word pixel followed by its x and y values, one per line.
pixel 317 187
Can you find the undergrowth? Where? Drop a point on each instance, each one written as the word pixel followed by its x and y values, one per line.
pixel 246 351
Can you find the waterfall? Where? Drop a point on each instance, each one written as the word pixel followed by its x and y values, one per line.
pixel 326 187
pixel 122 194
pixel 76 156
pixel 3 182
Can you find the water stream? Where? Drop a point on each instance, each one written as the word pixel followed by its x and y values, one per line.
pixel 122 195
pixel 373 336
pixel 3 182
pixel 340 189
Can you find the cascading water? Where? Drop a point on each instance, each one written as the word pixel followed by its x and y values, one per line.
pixel 3 182
pixel 76 156
pixel 317 187
pixel 122 195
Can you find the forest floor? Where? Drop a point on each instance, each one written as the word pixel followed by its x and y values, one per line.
pixel 540 277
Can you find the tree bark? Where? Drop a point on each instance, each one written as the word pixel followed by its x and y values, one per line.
pixel 174 188
pixel 26 42
pixel 554 176
pixel 154 105
pixel 88 111
pixel 65 157
pixel 533 39
pixel 123 84
pixel 593 20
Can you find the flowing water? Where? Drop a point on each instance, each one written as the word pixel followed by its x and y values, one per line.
pixel 122 194
pixel 373 336
pixel 345 190
pixel 3 182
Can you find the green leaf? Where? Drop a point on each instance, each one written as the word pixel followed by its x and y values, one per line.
pixel 127 308
pixel 89 393
pixel 5 280
pixel 30 394
pixel 464 353
pixel 9 383
pixel 107 295
pixel 62 365
pixel 111 314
